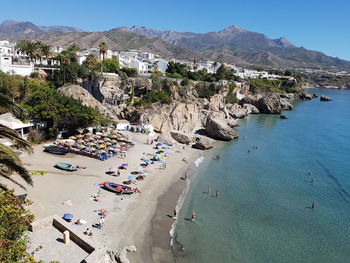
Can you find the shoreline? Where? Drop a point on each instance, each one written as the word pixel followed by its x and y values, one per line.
pixel 160 240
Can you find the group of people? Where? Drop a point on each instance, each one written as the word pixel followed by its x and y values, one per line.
pixel 313 205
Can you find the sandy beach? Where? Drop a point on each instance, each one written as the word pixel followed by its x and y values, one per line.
pixel 132 220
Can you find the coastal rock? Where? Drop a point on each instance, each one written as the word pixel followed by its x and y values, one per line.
pixel 325 98
pixel 237 111
pixel 251 108
pixel 267 103
pixel 165 138
pixel 79 93
pixel 118 256
pixel 183 117
pixel 305 96
pixel 181 137
pixel 131 248
pixel 220 130
pixel 203 143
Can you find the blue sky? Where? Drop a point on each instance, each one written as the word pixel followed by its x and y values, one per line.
pixel 318 25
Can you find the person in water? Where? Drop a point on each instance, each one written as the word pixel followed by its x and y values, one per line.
pixel 217 157
pixel 174 214
pixel 313 205
pixel 217 193
pixel 193 216
pixel 208 190
pixel 309 173
pixel 313 180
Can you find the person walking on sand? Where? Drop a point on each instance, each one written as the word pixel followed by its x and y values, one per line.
pixel 217 193
pixel 208 190
pixel 174 214
pixel 102 221
pixel 193 216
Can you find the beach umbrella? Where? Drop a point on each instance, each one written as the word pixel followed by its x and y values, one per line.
pixel 79 136
pixel 80 141
pixel 157 156
pixel 147 161
pixel 88 134
pixel 72 137
pixel 124 164
pixel 121 168
pixel 67 216
pixel 161 150
pixel 164 148
pixel 159 144
pixel 102 151
pixel 143 174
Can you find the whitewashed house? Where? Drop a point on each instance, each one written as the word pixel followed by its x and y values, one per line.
pixel 8 120
pixel 13 62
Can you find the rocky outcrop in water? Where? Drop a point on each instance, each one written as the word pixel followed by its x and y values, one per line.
pixel 267 103
pixel 218 129
pixel 325 98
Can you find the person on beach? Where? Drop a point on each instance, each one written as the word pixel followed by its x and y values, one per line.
pixel 217 193
pixel 102 221
pixel 88 232
pixel 193 216
pixel 174 214
pixel 313 205
pixel 208 190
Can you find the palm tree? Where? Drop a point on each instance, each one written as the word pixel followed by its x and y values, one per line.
pixel 103 49
pixel 9 161
pixel 30 48
pixel 74 48
pixel 45 51
pixel 65 59
pixel 214 66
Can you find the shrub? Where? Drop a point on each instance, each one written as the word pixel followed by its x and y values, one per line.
pixel 204 91
pixel 231 96
pixel 14 221
pixel 154 96
pixel 35 136
pixel 131 72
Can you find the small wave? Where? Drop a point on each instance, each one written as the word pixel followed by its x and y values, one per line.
pixel 199 160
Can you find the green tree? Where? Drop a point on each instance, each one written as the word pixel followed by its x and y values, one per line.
pixel 91 62
pixel 103 49
pixel 14 221
pixel 45 51
pixel 73 48
pixel 30 48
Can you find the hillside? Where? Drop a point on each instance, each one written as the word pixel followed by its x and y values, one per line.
pixel 232 45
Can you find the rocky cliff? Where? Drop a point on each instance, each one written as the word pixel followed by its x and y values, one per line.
pixel 190 112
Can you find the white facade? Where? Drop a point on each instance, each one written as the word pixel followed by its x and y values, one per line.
pixel 14 62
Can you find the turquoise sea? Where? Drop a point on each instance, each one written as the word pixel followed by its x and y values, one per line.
pixel 263 213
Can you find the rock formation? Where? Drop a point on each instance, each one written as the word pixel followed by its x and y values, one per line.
pixel 268 103
pixel 325 98
pixel 218 129
pixel 203 143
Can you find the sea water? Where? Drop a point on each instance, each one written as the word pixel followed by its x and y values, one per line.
pixel 263 212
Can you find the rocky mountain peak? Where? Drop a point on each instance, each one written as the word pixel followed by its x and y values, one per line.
pixel 233 29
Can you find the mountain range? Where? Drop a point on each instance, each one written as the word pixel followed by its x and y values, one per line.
pixel 231 45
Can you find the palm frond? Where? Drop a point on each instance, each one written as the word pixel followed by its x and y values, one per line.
pixel 8 133
pixel 7 104
pixel 10 162
pixel 8 177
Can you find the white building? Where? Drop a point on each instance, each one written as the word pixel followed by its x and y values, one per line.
pixel 14 62
pixel 8 120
